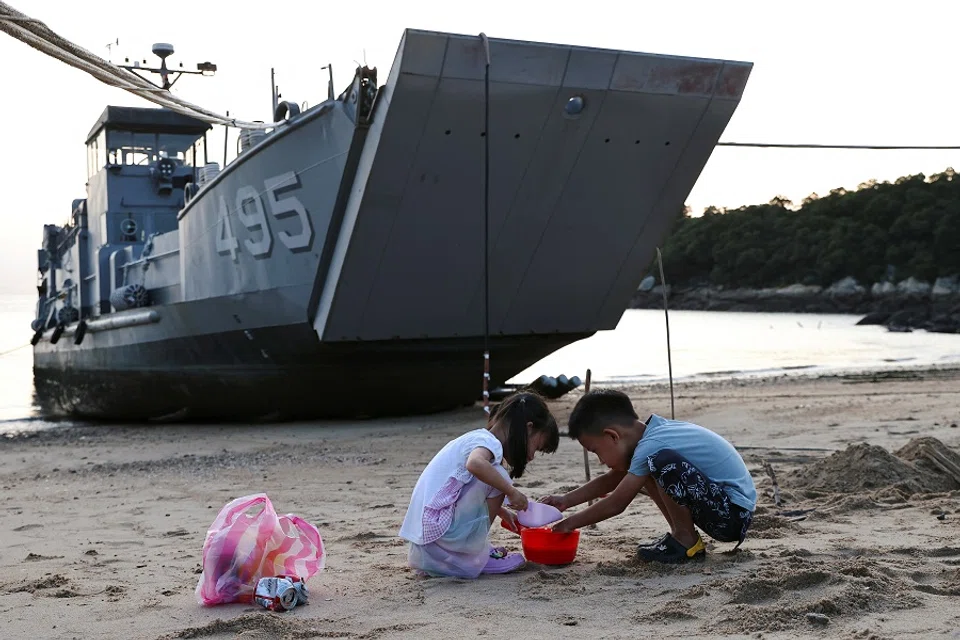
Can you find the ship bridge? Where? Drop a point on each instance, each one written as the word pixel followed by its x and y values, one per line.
pixel 138 162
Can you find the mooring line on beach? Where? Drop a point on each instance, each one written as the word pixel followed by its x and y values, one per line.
pixel 868 147
pixel 8 351
pixel 702 395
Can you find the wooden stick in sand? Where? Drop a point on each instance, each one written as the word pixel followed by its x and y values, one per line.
pixel 776 487
pixel 945 464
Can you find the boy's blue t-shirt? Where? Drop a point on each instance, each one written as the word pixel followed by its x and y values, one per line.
pixel 710 453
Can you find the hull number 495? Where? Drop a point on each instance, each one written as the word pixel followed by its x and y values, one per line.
pixel 250 211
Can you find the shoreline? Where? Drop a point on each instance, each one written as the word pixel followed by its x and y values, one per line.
pixel 853 374
pixel 938 312
pixel 721 380
pixel 698 382
pixel 767 376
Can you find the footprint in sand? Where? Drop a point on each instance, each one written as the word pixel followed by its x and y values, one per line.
pixel 673 611
pixel 56 586
pixel 36 557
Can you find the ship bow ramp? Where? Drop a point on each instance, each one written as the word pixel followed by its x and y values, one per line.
pixel 592 153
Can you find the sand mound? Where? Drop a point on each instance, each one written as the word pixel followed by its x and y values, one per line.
pixel 797 593
pixel 864 467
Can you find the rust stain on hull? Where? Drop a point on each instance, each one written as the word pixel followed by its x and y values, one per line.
pixel 677 77
pixel 733 81
pixel 696 78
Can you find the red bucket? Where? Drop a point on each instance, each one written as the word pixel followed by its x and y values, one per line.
pixel 544 546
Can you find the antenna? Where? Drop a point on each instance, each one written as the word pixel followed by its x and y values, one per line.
pixel 273 91
pixel 329 67
pixel 110 45
pixel 226 135
pixel 163 50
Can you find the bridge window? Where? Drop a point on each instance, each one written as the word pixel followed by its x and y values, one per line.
pixel 130 148
pixel 196 154
pixel 96 154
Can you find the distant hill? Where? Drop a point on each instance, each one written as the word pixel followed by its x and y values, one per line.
pixel 882 231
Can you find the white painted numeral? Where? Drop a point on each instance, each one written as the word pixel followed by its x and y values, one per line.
pixel 226 241
pixel 250 212
pixel 288 206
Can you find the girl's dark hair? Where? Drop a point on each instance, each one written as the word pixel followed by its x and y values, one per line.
pixel 515 412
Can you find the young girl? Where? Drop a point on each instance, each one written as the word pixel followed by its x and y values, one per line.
pixel 462 490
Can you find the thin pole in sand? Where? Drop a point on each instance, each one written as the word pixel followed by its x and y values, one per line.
pixel 666 315
pixel 586 458
pixel 486 226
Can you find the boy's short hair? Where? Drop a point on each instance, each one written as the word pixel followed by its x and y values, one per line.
pixel 598 410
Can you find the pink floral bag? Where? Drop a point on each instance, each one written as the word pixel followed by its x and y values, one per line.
pixel 241 547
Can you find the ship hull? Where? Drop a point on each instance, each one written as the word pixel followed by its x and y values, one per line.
pixel 350 263
pixel 304 378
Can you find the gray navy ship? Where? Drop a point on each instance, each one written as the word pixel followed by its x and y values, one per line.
pixel 337 266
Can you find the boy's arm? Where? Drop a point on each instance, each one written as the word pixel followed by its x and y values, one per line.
pixel 612 505
pixel 593 489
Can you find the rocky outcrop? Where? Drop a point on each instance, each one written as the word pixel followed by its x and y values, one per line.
pixel 910 304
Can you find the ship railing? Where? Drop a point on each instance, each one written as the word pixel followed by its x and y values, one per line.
pixel 149 258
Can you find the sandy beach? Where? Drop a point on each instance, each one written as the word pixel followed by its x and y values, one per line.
pixel 102 527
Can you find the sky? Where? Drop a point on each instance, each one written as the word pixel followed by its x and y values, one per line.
pixel 826 72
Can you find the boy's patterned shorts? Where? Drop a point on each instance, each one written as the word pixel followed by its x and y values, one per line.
pixel 708 503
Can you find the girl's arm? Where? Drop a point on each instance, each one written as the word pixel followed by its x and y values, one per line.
pixel 479 464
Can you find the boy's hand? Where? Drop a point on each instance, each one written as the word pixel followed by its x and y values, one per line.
pixel 555 501
pixel 561 527
pixel 518 501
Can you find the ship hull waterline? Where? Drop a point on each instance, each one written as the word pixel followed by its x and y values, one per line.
pixel 303 378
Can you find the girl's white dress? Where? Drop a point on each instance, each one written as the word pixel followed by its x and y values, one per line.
pixel 448 522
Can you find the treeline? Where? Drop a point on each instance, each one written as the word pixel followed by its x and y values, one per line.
pixel 880 231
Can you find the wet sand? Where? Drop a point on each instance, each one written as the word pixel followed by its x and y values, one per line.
pixel 102 527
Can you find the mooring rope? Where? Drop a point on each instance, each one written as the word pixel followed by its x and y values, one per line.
pixel 39 36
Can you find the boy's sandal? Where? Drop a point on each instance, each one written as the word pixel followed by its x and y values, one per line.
pixel 656 542
pixel 670 551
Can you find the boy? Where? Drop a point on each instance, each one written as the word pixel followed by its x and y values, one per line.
pixel 694 475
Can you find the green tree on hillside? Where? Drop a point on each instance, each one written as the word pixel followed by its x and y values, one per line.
pixel 912 224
